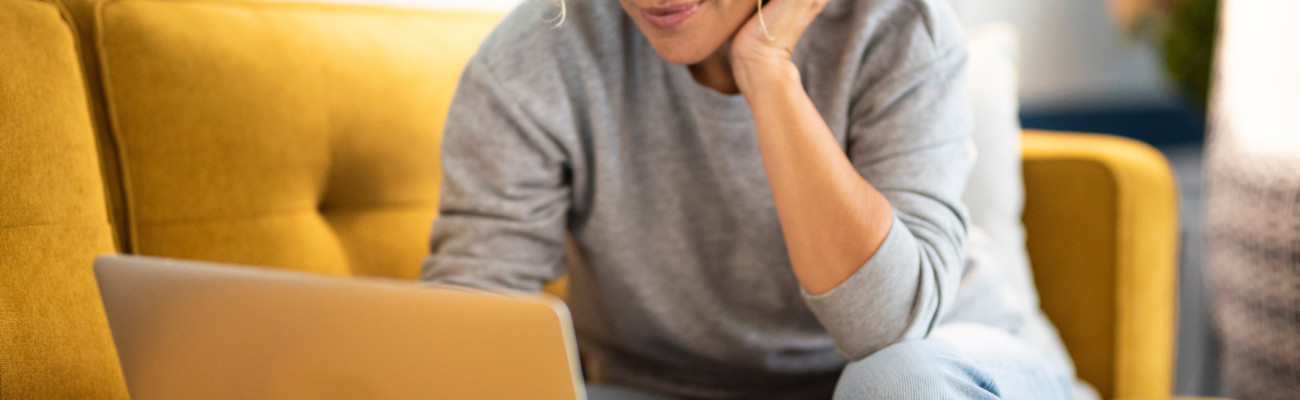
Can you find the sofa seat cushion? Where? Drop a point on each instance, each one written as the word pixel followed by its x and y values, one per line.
pixel 54 339
pixel 292 135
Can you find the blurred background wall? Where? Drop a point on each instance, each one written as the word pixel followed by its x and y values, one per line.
pixel 1073 57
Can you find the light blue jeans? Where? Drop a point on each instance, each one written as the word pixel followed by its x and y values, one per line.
pixel 970 362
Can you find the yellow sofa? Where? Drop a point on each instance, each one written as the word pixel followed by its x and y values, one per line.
pixel 54 340
pixel 306 136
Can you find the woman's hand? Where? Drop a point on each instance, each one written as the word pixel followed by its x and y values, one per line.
pixel 756 54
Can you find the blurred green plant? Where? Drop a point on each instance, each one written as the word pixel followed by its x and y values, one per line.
pixel 1189 45
pixel 1184 30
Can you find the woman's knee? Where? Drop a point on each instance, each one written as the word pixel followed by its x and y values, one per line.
pixel 914 369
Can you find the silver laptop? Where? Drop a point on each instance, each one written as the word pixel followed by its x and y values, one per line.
pixel 189 330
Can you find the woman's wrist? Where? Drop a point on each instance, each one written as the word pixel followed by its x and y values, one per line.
pixel 755 76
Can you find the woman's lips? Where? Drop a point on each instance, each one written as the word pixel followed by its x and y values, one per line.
pixel 671 15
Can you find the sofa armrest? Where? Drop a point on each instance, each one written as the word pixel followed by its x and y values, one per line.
pixel 1101 228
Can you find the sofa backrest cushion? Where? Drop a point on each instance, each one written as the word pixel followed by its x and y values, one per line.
pixel 291 135
pixel 54 339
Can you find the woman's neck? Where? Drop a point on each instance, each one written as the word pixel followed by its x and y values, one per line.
pixel 715 71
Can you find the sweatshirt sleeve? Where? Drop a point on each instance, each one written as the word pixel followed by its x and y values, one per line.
pixel 505 193
pixel 909 136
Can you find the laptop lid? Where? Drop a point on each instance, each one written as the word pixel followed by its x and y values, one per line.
pixel 207 331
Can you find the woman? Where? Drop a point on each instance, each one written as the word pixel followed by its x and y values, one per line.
pixel 751 217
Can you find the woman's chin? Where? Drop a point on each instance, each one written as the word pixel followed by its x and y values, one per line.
pixel 682 56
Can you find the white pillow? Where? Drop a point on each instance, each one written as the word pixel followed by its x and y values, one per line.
pixel 995 193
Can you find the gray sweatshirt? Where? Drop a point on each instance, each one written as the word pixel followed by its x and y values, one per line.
pixel 680 279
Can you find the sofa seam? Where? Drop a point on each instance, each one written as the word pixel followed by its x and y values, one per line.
pixel 49 224
pixel 272 213
pixel 113 124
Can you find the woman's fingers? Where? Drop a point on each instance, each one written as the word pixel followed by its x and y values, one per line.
pixel 791 16
pixel 784 20
pixel 787 19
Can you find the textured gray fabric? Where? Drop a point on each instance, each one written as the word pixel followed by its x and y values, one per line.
pixel 680 280
pixel 1253 221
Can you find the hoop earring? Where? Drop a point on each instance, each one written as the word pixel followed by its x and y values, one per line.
pixel 559 19
pixel 761 23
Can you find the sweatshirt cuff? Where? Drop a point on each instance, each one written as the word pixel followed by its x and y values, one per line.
pixel 873 308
